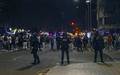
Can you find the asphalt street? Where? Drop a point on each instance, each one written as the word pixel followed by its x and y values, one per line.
pixel 19 62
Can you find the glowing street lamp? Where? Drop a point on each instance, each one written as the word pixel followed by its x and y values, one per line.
pixel 72 23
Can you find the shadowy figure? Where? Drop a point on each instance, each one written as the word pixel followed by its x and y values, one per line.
pixel 98 45
pixel 78 42
pixel 35 46
pixel 64 48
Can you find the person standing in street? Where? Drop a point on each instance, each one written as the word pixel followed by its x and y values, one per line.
pixel 85 42
pixel 64 48
pixel 35 46
pixel 98 46
pixel 110 41
pixel 78 43
pixel 52 42
pixel 58 42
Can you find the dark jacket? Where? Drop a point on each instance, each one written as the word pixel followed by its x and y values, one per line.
pixel 64 43
pixel 78 42
pixel 85 40
pixel 98 43
pixel 34 44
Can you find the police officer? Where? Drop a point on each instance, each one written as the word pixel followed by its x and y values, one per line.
pixel 98 45
pixel 35 46
pixel 64 48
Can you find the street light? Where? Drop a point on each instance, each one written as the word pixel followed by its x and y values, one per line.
pixel 88 2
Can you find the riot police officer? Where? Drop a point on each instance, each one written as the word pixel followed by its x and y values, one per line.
pixel 35 46
pixel 64 48
pixel 98 45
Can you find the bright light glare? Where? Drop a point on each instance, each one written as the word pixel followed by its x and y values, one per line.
pixel 88 1
pixel 14 31
pixel 10 29
pixel 89 34
pixel 73 23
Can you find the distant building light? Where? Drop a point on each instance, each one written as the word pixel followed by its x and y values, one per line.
pixel 88 1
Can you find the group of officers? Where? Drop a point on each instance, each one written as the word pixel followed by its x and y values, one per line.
pixel 97 45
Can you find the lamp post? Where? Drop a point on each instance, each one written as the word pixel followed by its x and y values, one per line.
pixel 88 2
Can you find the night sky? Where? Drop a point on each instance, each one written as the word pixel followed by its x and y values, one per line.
pixel 45 13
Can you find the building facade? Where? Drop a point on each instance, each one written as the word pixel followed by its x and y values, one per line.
pixel 108 12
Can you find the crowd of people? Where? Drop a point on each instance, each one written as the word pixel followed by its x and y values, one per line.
pixel 14 42
pixel 23 41
pixel 63 42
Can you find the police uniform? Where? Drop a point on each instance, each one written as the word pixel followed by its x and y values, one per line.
pixel 64 49
pixel 35 45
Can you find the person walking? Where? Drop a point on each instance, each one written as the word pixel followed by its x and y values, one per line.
pixel 39 37
pixel 85 42
pixel 10 42
pixel 52 42
pixel 109 41
pixel 35 46
pixel 58 42
pixel 98 46
pixel 25 42
pixel 78 42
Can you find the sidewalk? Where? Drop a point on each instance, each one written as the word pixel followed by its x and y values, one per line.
pixel 86 69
